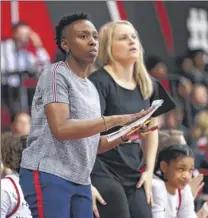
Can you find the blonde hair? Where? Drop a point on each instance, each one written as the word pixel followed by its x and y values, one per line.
pixel 141 75
pixel 201 119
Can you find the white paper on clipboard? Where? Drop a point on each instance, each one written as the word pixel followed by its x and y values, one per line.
pixel 125 129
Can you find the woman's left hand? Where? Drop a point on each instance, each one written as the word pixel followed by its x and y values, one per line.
pixel 135 135
pixel 146 181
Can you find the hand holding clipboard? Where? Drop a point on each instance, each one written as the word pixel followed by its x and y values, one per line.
pixel 136 124
pixel 138 132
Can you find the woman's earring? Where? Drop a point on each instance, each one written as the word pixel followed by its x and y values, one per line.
pixel 68 51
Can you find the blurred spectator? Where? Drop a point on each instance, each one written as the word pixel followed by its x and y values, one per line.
pixel 183 91
pixel 170 137
pixel 200 96
pixel 193 66
pixel 13 203
pixel 202 120
pixel 15 56
pixel 199 101
pixel 184 87
pixel 21 124
pixel 200 137
pixel 198 74
pixel 17 62
pixel 198 58
pixel 184 64
pixel 173 119
pixel 158 69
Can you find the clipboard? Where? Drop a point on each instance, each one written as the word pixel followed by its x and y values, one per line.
pixel 126 129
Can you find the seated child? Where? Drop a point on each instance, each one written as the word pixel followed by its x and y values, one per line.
pixel 170 187
pixel 13 203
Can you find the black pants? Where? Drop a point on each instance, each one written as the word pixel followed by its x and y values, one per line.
pixel 122 202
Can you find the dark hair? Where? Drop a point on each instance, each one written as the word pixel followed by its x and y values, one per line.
pixel 11 150
pixel 170 153
pixel 17 25
pixel 152 61
pixel 66 21
pixel 180 60
pixel 193 52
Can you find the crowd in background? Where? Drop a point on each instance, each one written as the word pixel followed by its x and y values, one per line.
pixel 188 84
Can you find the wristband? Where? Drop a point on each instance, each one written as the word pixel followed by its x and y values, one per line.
pixel 106 128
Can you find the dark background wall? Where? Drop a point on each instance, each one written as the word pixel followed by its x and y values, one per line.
pixel 161 24
pixel 145 18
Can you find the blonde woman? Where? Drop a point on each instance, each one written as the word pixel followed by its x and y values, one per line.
pixel 125 87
